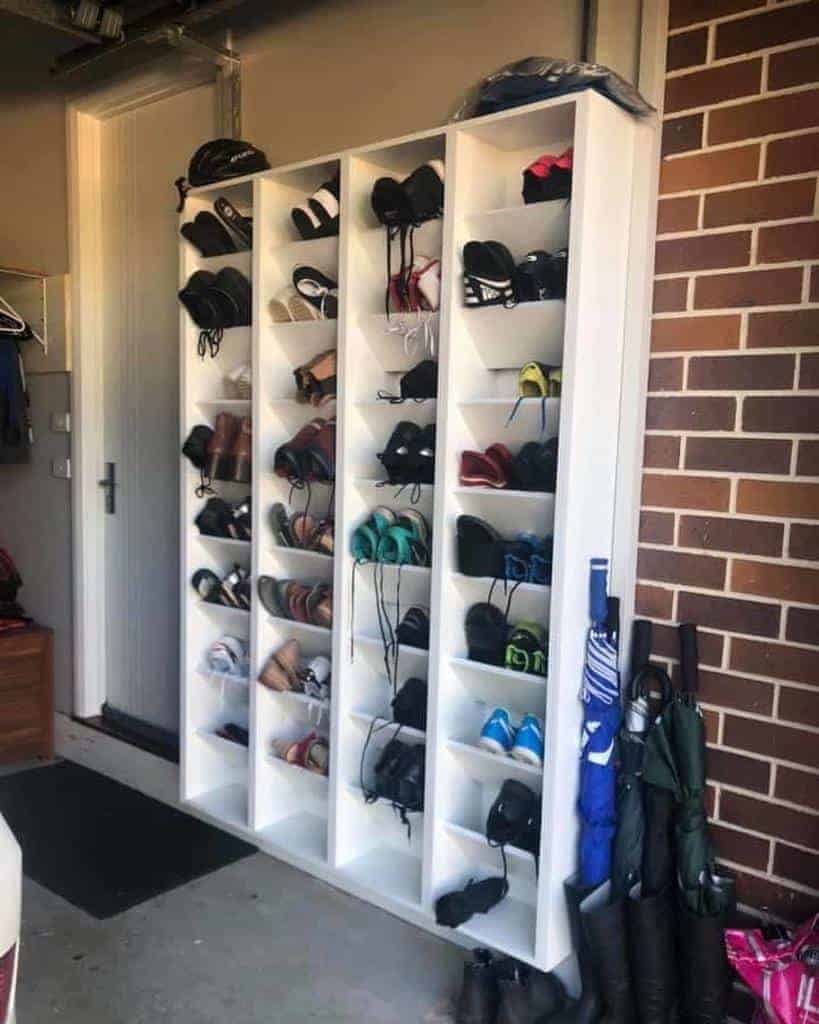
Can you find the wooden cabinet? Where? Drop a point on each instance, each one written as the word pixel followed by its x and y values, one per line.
pixel 26 694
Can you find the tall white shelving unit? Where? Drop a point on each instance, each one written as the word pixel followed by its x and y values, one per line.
pixel 324 825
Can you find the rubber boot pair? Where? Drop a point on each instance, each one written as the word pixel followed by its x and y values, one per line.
pixel 507 992
pixel 601 939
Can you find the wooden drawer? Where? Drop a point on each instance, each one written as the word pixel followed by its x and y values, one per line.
pixel 26 709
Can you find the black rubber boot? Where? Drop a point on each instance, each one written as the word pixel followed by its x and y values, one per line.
pixel 704 971
pixel 531 997
pixel 606 929
pixel 478 1001
pixel 651 925
pixel 589 1007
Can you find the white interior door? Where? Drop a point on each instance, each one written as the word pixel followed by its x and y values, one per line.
pixel 142 152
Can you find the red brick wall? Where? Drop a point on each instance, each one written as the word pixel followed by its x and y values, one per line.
pixel 730 520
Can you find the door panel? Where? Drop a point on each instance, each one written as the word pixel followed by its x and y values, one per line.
pixel 143 151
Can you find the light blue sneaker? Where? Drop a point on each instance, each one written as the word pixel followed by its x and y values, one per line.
pixel 528 745
pixel 497 735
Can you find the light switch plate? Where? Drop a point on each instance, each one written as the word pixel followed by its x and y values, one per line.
pixel 61 468
pixel 61 422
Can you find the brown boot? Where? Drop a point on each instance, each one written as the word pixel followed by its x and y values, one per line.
pixel 242 453
pixel 222 447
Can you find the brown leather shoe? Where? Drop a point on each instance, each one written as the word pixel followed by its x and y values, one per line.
pixel 222 447
pixel 243 452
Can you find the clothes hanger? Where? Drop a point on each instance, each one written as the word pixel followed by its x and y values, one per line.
pixel 11 323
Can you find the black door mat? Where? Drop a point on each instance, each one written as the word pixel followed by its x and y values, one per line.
pixel 105 847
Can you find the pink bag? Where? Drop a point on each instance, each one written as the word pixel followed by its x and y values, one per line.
pixel 782 973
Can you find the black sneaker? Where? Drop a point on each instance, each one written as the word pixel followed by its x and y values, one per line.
pixel 542 275
pixel 514 818
pixel 318 217
pixel 422 456
pixel 409 705
pixel 396 457
pixel 413 630
pixel 232 289
pixel 489 275
pixel 418 384
pixel 231 218
pixel 214 518
pixel 535 466
pixel 486 631
pixel 480 548
pixel 208 235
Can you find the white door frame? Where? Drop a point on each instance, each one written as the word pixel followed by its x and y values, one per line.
pixel 86 114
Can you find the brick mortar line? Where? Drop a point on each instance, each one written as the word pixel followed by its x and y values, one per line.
pixel 769 877
pixel 751 716
pixel 725 62
pixel 751 97
pixel 737 595
pixel 782 307
pixel 773 802
pixel 731 229
pixel 696 274
pixel 723 513
pixel 786 560
pixel 686 391
pixel 738 186
pixel 753 140
pixel 736 16
pixel 721 435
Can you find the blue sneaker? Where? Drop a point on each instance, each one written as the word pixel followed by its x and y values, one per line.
pixel 497 735
pixel 528 745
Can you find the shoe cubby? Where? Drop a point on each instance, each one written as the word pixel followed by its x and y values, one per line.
pixel 327 824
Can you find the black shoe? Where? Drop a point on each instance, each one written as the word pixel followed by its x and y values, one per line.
pixel 207 234
pixel 213 520
pixel 397 455
pixel 418 384
pixel 535 466
pixel 413 630
pixel 424 190
pixel 479 998
pixel 486 631
pixel 530 996
pixel 542 276
pixel 318 217
pixel 422 456
pixel 197 298
pixel 232 289
pixel 489 275
pixel 606 928
pixel 480 548
pixel 409 705
pixel 231 218
pixel 318 289
pixel 409 779
pixel 456 908
pixel 386 770
pixel 514 818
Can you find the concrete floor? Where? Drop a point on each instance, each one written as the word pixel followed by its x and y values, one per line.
pixel 255 941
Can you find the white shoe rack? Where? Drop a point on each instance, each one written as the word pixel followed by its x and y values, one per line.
pixel 323 825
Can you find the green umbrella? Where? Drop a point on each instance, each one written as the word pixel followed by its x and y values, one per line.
pixel 675 762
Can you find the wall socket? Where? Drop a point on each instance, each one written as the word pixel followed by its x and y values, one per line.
pixel 61 468
pixel 61 422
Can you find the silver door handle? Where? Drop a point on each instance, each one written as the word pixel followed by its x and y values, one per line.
pixel 109 482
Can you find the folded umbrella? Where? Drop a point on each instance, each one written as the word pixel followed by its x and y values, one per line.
pixel 602 714
pixel 629 839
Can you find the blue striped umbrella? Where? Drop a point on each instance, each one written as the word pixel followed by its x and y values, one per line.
pixel 601 722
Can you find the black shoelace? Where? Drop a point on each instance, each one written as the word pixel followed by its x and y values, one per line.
pixel 210 340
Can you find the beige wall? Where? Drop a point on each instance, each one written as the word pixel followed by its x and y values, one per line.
pixel 33 227
pixel 343 74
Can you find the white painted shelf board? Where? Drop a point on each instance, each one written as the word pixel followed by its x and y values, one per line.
pixel 509 926
pixel 364 718
pixel 309 778
pixel 300 835
pixel 238 406
pixel 299 698
pixel 499 671
pixel 299 627
pixel 240 260
pixel 538 590
pixel 228 543
pixel 223 677
pixel 498 765
pixel 509 493
pixel 375 642
pixel 228 748
pixel 224 803
pixel 469 835
pixel 321 253
pixel 225 611
pixel 357 793
pixel 387 870
pixel 300 553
